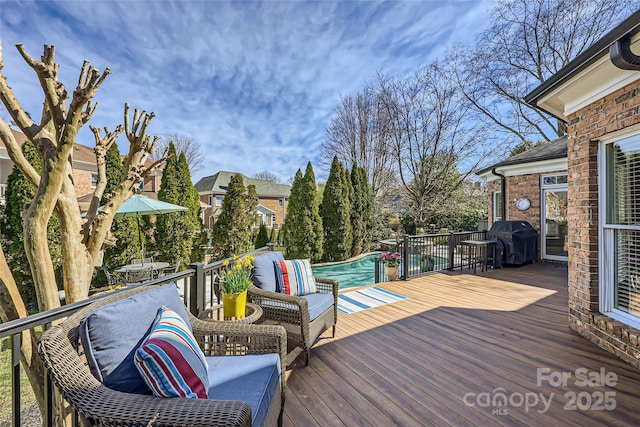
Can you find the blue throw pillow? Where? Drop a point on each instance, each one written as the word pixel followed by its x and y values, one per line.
pixel 263 273
pixel 111 334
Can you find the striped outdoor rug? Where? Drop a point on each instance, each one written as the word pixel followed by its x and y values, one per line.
pixel 363 299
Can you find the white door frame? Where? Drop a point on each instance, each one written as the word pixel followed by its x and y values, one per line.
pixel 543 220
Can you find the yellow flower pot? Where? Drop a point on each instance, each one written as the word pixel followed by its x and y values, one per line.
pixel 234 305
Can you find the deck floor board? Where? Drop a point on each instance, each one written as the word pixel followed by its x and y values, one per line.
pixel 412 362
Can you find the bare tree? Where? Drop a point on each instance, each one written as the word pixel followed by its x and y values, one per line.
pixel 184 144
pixel 354 135
pixel 432 134
pixel 267 176
pixel 528 41
pixel 81 239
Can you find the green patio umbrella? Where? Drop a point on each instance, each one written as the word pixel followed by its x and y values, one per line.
pixel 139 205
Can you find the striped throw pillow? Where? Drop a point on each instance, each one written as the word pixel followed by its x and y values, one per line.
pixel 294 277
pixel 170 360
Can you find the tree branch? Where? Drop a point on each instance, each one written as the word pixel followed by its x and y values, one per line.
pixel 102 147
pixel 15 154
pixel 47 72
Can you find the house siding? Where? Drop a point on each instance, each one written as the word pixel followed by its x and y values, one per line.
pixel 609 114
pixel 269 202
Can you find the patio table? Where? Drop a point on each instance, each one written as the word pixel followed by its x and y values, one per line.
pixel 155 266
pixel 479 252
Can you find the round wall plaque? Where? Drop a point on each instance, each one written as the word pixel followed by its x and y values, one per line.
pixel 523 204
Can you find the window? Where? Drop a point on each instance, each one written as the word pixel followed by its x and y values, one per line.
pixel 94 180
pixel 219 200
pixel 281 203
pixel 497 206
pixel 210 200
pixel 552 180
pixel 621 229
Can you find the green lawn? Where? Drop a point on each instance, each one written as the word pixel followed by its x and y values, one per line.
pixel 26 395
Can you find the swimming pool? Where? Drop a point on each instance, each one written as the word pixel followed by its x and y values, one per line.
pixel 349 274
pixel 361 271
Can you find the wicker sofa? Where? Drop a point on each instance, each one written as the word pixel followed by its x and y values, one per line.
pixel 249 359
pixel 304 317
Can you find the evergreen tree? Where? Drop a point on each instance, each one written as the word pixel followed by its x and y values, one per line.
pixel 197 236
pixel 252 208
pixel 291 237
pixel 303 234
pixel 357 212
pixel 349 199
pixel 231 232
pixel 124 230
pixel 310 201
pixel 263 237
pixel 335 215
pixel 179 234
pixel 18 194
pixel 272 235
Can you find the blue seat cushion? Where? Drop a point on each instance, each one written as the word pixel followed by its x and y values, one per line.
pixel 263 274
pixel 318 304
pixel 251 378
pixel 111 334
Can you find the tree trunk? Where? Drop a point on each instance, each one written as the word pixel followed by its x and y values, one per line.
pixel 12 308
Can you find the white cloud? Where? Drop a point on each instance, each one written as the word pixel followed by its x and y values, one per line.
pixel 254 83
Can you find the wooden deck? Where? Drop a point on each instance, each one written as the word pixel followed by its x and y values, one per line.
pixel 460 340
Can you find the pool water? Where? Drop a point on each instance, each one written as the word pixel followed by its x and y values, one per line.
pixel 361 271
pixel 349 274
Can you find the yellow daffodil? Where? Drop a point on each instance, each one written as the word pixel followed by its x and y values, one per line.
pixel 235 275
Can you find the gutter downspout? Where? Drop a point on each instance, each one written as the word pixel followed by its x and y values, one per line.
pixel 503 189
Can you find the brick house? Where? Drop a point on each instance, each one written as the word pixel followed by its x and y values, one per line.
pixel 85 172
pixel 532 186
pixel 598 96
pixel 273 198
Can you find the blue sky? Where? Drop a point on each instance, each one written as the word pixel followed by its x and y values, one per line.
pixel 254 83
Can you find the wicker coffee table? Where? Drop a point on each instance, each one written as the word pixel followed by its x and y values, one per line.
pixel 252 314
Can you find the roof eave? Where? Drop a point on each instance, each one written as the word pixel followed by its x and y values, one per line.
pixel 631 25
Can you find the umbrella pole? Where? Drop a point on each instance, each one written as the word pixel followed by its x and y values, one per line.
pixel 140 241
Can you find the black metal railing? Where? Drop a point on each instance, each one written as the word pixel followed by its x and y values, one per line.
pixel 198 286
pixel 424 253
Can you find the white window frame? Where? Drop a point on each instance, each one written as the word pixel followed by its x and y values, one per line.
pixel 497 195
pixel 606 243
pixel 94 183
pixel 221 198
pixel 281 202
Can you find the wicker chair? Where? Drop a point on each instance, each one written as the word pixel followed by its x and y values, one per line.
pixel 292 312
pixel 61 350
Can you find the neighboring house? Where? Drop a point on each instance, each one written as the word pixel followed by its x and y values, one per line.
pixel 85 172
pixel 598 96
pixel 532 186
pixel 273 198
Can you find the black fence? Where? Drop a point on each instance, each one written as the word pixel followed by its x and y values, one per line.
pixel 424 253
pixel 198 288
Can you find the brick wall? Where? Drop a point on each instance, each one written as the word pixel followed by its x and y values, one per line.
pixel 518 187
pixel 273 203
pixel 82 182
pixel 612 113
